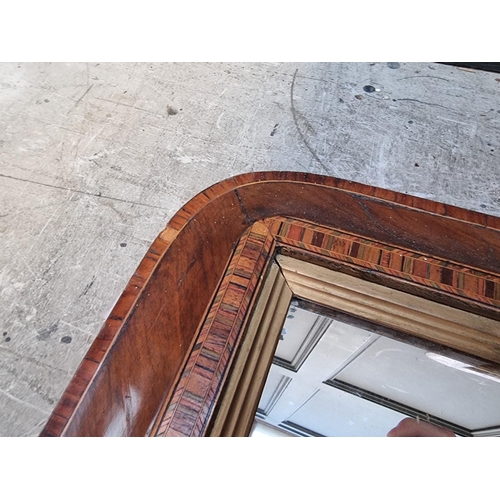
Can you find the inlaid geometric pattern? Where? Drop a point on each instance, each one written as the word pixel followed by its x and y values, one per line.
pixel 189 409
pixel 426 270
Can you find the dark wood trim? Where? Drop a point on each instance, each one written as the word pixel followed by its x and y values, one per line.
pixel 135 362
pixel 493 67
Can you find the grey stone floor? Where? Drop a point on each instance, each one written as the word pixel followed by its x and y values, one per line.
pixel 96 158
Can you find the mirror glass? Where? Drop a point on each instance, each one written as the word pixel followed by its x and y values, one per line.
pixel 333 375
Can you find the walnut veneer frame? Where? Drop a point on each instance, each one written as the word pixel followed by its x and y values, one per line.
pixel 185 333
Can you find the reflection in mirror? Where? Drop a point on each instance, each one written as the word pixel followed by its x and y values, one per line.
pixel 333 375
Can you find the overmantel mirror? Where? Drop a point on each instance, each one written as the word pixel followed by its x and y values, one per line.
pixel 290 304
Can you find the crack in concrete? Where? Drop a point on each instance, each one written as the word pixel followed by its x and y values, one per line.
pixel 71 190
pixel 302 136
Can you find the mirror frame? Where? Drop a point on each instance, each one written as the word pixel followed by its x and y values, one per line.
pixel 165 357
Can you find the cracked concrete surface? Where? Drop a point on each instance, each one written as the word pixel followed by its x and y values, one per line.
pixel 96 158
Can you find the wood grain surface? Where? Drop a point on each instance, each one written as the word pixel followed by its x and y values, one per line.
pixel 134 364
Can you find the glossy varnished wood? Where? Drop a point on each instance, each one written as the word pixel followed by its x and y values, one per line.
pixel 135 362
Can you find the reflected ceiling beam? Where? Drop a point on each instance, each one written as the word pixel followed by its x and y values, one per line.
pixel 399 407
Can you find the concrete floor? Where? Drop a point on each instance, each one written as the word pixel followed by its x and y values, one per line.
pixel 96 158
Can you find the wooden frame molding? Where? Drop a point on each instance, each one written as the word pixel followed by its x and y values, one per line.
pixel 179 352
pixel 450 327
pixel 236 408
